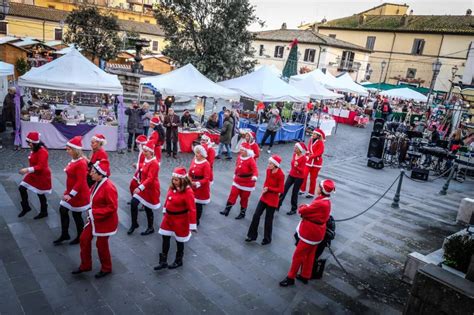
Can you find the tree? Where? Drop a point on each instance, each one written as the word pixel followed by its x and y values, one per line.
pixel 210 34
pixel 94 32
pixel 291 64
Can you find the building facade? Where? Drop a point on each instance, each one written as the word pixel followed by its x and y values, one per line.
pixel 315 51
pixel 404 46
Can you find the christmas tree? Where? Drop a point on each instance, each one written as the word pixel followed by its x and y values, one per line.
pixel 291 65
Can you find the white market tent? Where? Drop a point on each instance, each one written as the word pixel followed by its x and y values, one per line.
pixel 327 80
pixel 262 85
pixel 72 72
pixel 348 85
pixel 66 50
pixel 272 67
pixel 405 94
pixel 188 81
pixel 6 69
pixel 315 89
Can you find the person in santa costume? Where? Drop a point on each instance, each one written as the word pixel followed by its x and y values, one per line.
pixel 135 182
pixel 103 220
pixel 200 174
pixel 250 139
pixel 245 177
pixel 98 153
pixel 272 188
pixel 179 217
pixel 157 137
pixel 211 153
pixel 37 177
pixel 76 197
pixel 296 176
pixel 148 192
pixel 314 163
pixel 310 232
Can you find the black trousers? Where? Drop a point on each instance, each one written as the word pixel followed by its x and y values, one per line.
pixel 134 212
pixel 25 203
pixel 253 229
pixel 199 207
pixel 165 247
pixel 130 139
pixel 267 134
pixel 171 146
pixel 77 216
pixel 296 183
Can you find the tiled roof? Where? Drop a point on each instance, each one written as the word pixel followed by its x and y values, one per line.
pixel 307 37
pixel 53 15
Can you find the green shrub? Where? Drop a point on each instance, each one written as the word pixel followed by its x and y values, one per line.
pixel 458 250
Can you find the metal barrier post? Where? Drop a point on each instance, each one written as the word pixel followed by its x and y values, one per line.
pixel 396 198
pixel 444 190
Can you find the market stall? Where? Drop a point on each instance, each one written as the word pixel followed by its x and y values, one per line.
pixel 72 84
pixel 288 132
pixel 343 116
pixel 325 79
pixel 6 70
pixel 405 94
pixel 346 84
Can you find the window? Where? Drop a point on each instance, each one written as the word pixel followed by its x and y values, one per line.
pixel 131 19
pixel 3 28
pixel 58 34
pixel 370 42
pixel 279 51
pixel 309 55
pixel 154 45
pixel 411 73
pixel 51 6
pixel 147 21
pixel 347 59
pixel 418 45
pixel 261 50
pixel 332 35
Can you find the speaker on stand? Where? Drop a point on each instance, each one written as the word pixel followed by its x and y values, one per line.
pixel 375 152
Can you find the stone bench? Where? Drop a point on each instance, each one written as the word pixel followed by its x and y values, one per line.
pixel 466 208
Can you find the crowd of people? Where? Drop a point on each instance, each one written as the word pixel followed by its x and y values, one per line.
pixel 89 190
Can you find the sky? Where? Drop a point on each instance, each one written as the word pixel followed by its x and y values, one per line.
pixel 295 12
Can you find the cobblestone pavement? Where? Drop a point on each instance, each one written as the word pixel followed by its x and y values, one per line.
pixel 222 273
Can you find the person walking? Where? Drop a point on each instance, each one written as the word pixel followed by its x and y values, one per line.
pixel 98 153
pixel 314 163
pixel 272 188
pixel 295 177
pixel 146 118
pixel 171 123
pixel 310 232
pixel 250 138
pixel 211 153
pixel 135 123
pixel 76 197
pixel 148 192
pixel 179 218
pixel 200 174
pixel 37 177
pixel 226 136
pixel 135 182
pixel 9 108
pixel 273 126
pixel 157 137
pixel 102 221
pixel 245 176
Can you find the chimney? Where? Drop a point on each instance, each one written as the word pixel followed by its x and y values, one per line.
pixel 283 26
pixel 362 19
pixel 468 12
pixel 404 20
pixel 324 20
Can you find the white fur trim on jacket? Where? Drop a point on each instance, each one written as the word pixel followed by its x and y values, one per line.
pixel 34 189
pixel 303 239
pixel 245 188
pixel 91 221
pixel 171 233
pixel 31 169
pixel 146 203
pixel 202 202
pixel 66 205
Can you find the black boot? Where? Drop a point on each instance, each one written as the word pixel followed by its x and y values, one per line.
pixel 178 262
pixel 148 231
pixel 291 212
pixel 25 208
pixel 149 218
pixel 241 214
pixel 44 209
pixel 62 238
pixel 287 282
pixel 302 279
pixel 226 211
pixel 163 262
pixel 132 229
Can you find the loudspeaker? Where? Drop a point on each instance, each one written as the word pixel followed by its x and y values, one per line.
pixel 420 174
pixel 378 125
pixel 376 145
pixel 376 163
pixel 318 269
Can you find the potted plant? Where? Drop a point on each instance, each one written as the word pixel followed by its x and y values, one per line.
pixel 458 250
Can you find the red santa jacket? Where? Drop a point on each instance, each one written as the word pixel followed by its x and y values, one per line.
pixel 200 173
pixel 76 186
pixel 315 153
pixel 298 166
pixel 155 137
pixel 256 149
pixel 149 194
pixel 245 174
pixel 103 214
pixel 275 184
pixel 38 179
pixel 98 155
pixel 179 214
pixel 314 216
pixel 211 156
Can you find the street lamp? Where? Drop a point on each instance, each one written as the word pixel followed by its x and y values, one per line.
pixel 4 9
pixel 436 68
pixel 384 63
pixel 454 70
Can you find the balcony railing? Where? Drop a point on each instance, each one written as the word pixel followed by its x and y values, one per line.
pixel 349 66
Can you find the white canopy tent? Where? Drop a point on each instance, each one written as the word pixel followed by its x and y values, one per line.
pixel 273 68
pixel 72 72
pixel 6 70
pixel 188 81
pixel 348 85
pixel 315 89
pixel 66 50
pixel 263 85
pixel 405 94
pixel 327 80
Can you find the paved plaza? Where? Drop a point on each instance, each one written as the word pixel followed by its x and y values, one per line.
pixel 222 273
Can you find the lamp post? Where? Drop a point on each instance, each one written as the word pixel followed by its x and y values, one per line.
pixel 454 70
pixel 4 9
pixel 436 68
pixel 383 64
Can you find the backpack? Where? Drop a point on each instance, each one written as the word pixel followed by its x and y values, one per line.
pixel 330 228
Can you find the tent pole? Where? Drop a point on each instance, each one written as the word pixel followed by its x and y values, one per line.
pixel 203 109
pixel 319 116
pixel 140 90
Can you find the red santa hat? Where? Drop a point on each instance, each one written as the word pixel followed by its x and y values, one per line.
pixel 33 137
pixel 201 150
pixel 205 138
pixel 275 159
pixel 141 139
pixel 102 167
pixel 320 132
pixel 246 147
pixel 75 143
pixel 252 135
pixel 179 172
pixel 149 146
pixel 327 186
pixel 99 138
pixel 155 120
pixel 302 147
